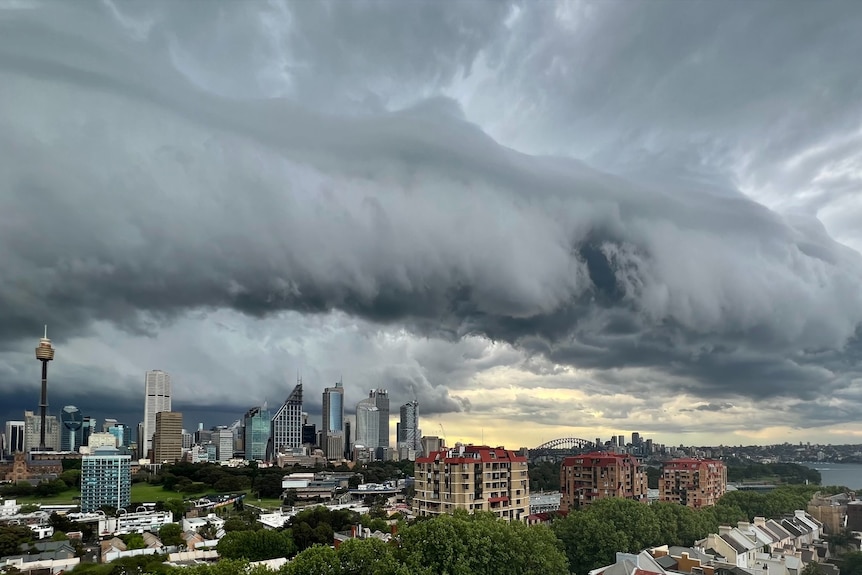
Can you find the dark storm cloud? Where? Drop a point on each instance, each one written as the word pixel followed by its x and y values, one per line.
pixel 145 174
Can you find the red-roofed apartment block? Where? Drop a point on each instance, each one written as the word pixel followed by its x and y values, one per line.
pixel 585 478
pixel 692 482
pixel 473 478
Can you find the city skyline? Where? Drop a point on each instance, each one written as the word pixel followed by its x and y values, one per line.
pixel 539 220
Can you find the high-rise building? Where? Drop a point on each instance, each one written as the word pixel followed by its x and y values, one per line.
pixel 286 430
pixel 621 440
pixel 70 433
pixel 636 438
pixel 168 437
pixel 14 437
pixel 347 438
pixel 409 437
pixel 119 430
pixel 89 427
pixel 367 424
pixel 333 419
pixel 189 439
pixel 258 424
pixel 692 482
pixel 309 434
pixel 33 435
pixel 157 391
pixel 334 445
pixel 223 438
pixel 106 479
pixel 598 475
pixel 381 400
pixel 472 478
pixel 432 443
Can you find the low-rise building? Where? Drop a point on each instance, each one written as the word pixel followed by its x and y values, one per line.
pixel 473 478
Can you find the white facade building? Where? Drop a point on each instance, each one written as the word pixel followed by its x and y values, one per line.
pixel 367 424
pixel 157 391
pixel 286 426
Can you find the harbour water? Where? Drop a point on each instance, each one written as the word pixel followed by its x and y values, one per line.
pixel 846 474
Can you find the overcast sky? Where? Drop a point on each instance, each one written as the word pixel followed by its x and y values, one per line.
pixel 539 219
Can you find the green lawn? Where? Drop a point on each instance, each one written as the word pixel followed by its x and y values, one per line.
pixel 141 493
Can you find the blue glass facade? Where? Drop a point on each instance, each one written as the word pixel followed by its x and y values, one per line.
pixel 106 479
pixel 258 424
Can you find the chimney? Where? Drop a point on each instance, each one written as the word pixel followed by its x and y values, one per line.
pixel 759 521
pixel 724 530
pixel 744 525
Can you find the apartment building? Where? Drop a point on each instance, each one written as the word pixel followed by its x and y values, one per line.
pixel 692 482
pixel 597 475
pixel 106 479
pixel 473 478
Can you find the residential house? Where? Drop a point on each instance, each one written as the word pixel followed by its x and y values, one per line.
pixel 632 564
pixel 730 544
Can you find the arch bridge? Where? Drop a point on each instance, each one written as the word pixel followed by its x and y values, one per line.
pixel 560 448
pixel 565 443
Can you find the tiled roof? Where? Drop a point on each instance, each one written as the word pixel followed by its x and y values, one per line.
pixel 473 454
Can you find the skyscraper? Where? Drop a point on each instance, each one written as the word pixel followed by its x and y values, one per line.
pixel 347 438
pixel 408 431
pixel 223 438
pixel 88 428
pixel 367 423
pixel 333 421
pixel 70 432
pixel 381 401
pixel 168 437
pixel 286 429
pixel 33 432
pixel 14 437
pixel 157 389
pixel 258 423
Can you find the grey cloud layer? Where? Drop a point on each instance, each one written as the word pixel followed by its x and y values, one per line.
pixel 131 192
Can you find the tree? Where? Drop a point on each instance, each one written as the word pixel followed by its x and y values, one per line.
pixel 256 545
pixel 72 478
pixel 317 560
pixel 589 542
pixel 840 541
pixel 134 541
pixel 851 563
pixel 269 486
pixel 171 534
pixel 480 544
pixel 636 520
pixel 176 506
pixel 812 568
pixel 368 557
pixel 12 537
